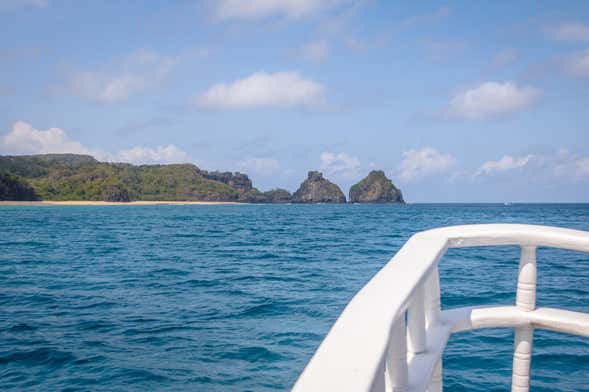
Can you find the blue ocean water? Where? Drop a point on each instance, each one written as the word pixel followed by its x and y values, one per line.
pixel 237 297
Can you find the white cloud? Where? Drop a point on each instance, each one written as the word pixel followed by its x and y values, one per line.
pixel 417 164
pixel 261 9
pixel 340 164
pixel 24 139
pixel 261 89
pixel 116 82
pixel 569 31
pixel 507 162
pixel 565 164
pixel 259 165
pixel 554 168
pixel 161 154
pixel 492 99
pixel 578 64
pixel 315 51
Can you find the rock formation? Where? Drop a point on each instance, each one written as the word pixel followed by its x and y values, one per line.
pixel 375 188
pixel 252 196
pixel 316 189
pixel 237 181
pixel 272 196
pixel 278 196
pixel 13 188
pixel 115 193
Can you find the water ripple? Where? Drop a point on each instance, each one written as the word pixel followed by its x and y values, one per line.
pixel 238 297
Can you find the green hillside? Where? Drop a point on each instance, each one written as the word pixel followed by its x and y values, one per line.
pixel 81 177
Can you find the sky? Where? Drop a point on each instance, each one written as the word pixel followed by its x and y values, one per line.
pixel 467 101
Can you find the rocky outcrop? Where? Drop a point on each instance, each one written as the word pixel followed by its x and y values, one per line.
pixel 115 193
pixel 238 181
pixel 252 196
pixel 316 189
pixel 278 196
pixel 272 196
pixel 13 188
pixel 375 188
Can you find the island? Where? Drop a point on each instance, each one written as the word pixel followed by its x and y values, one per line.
pixel 75 178
pixel 316 189
pixel 375 188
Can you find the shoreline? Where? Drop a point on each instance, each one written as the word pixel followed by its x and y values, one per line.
pixel 111 203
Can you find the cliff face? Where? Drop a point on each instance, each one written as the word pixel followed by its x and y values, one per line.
pixel 375 188
pixel 237 181
pixel 316 189
pixel 115 193
pixel 13 189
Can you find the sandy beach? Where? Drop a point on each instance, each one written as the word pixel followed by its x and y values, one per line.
pixel 108 203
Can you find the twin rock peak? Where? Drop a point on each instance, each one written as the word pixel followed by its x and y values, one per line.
pixel 375 188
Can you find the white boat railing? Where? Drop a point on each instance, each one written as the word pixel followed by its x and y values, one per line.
pixel 392 334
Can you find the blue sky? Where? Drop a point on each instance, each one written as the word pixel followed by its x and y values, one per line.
pixel 456 102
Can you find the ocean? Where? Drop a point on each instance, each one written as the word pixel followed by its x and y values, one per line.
pixel 238 297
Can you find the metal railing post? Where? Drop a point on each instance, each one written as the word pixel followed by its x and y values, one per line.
pixel 416 342
pixel 432 298
pixel 397 372
pixel 435 384
pixel 526 301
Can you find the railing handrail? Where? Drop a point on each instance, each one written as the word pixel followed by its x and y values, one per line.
pixel 351 357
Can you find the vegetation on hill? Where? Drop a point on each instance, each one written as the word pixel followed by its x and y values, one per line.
pixel 80 177
pixel 271 196
pixel 13 188
pixel 278 196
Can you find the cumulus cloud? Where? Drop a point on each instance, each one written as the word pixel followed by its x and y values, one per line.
pixel 565 164
pixel 569 31
pixel 578 64
pixel 262 9
pixel 507 162
pixel 315 51
pixel 260 165
pixel 340 164
pixel 24 139
pixel 491 99
pixel 261 89
pixel 418 164
pixel 554 167
pixel 161 154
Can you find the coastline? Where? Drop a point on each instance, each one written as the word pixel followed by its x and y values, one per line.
pixel 110 203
